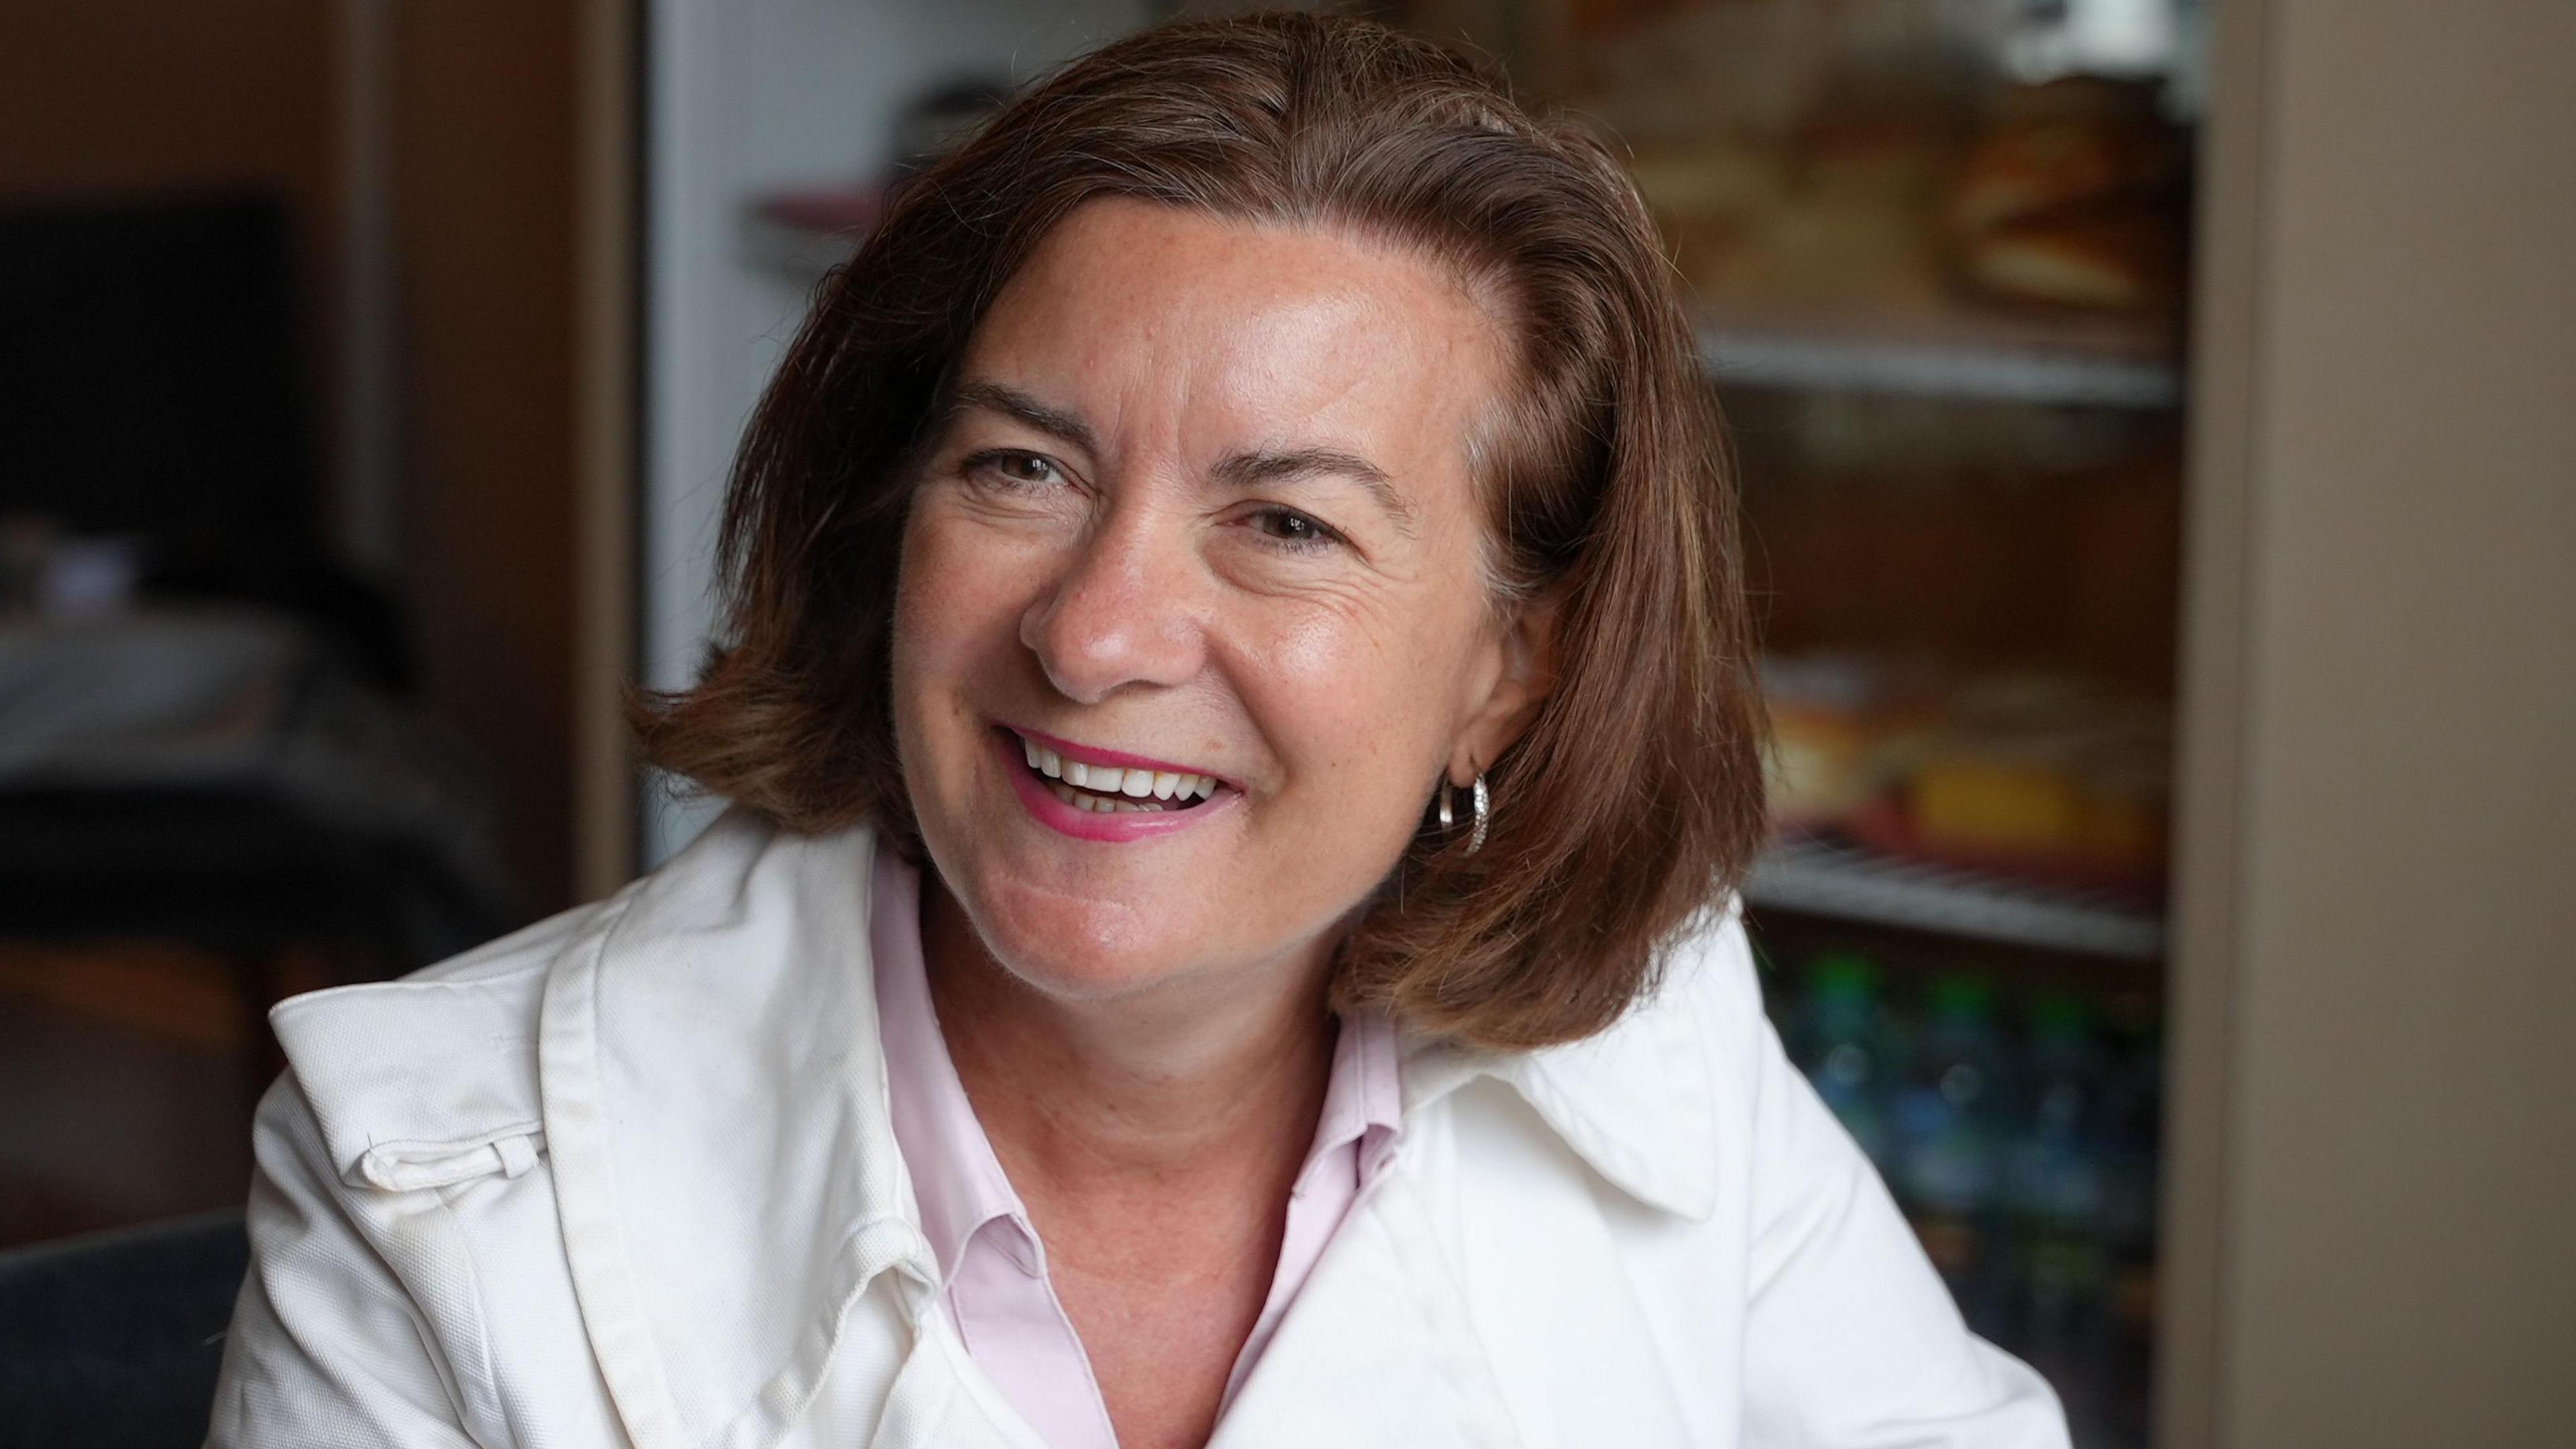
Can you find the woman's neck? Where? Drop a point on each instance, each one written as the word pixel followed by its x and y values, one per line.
pixel 1212 1080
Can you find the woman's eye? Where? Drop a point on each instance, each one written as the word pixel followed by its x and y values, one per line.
pixel 1025 470
pixel 1292 528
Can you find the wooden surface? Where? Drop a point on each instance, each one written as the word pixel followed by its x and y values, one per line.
pixel 486 210
pixel 609 136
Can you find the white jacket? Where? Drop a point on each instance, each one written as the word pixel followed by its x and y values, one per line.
pixel 626 1177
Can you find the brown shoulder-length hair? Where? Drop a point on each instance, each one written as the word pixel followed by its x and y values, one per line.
pixel 1633 802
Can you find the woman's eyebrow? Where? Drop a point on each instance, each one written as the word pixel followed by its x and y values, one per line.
pixel 1246 469
pixel 1238 470
pixel 1012 403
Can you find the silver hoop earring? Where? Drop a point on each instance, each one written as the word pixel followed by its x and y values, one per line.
pixel 1478 799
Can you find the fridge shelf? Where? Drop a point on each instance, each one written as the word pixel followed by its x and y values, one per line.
pixel 2112 362
pixel 1819 878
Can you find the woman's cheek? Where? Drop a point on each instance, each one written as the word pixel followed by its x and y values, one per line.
pixel 1391 656
pixel 941 605
pixel 1356 714
pixel 957 587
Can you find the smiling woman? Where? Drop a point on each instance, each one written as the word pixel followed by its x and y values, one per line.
pixel 1204 492
pixel 1096 1024
pixel 1442 327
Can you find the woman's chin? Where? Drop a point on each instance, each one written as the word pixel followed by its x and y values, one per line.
pixel 1083 950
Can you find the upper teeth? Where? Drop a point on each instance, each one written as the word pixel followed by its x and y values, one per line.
pixel 1111 780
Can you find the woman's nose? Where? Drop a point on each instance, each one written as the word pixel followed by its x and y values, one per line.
pixel 1125 611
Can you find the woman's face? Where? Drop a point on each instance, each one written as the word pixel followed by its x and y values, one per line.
pixel 1203 508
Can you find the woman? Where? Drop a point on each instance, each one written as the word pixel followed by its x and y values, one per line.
pixel 1235 695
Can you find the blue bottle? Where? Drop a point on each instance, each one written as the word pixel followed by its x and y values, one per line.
pixel 2057 1186
pixel 1841 1037
pixel 1951 1126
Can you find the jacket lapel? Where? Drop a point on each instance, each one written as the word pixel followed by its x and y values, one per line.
pixel 1637 1102
pixel 1377 1350
pixel 941 1400
pixel 1382 1346
pixel 714 1096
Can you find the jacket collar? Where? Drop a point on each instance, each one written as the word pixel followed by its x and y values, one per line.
pixel 1637 1103
pixel 727 1178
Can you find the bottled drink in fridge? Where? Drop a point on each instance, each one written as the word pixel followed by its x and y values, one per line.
pixel 1951 1126
pixel 1840 1036
pixel 2056 1194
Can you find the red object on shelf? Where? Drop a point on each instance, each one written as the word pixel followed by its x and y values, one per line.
pixel 825 211
pixel 1882 826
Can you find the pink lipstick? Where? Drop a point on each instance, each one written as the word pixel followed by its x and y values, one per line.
pixel 1114 815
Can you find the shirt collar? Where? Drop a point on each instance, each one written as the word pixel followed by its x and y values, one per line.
pixel 957 1183
pixel 1364 1097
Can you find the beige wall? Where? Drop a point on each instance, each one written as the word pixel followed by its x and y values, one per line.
pixel 2377 1130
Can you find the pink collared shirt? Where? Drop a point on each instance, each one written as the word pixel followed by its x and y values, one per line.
pixel 991 1258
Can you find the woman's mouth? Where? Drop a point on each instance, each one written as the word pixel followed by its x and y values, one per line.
pixel 1105 789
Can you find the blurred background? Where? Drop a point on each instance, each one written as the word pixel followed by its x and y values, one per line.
pixel 2160 479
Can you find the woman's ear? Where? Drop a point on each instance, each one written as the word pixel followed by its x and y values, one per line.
pixel 1529 656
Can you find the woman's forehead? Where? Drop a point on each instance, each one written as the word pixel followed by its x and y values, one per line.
pixel 1145 318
